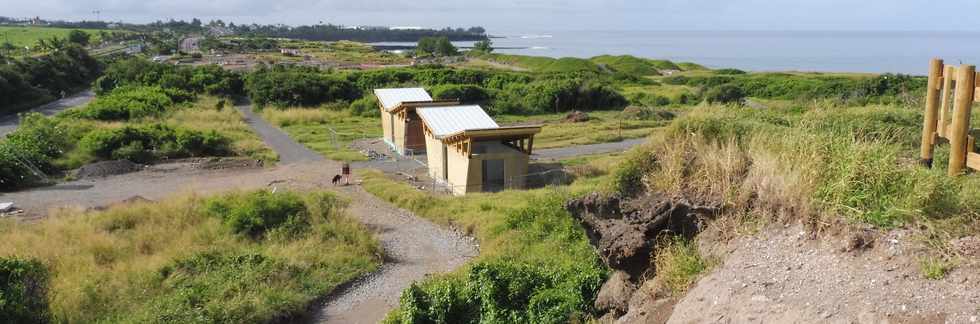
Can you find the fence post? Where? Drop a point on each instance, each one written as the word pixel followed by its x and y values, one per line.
pixel 965 85
pixel 932 111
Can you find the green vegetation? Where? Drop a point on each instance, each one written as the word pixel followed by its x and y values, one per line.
pixel 149 143
pixel 206 79
pixel 678 264
pixel 297 86
pixel 602 127
pixel 540 63
pixel 133 103
pixel 629 64
pixel 435 46
pixel 852 89
pixel 535 263
pixel 312 128
pixel 185 260
pixel 21 36
pixel 31 81
pixel 23 291
pixel 484 46
pixel 933 268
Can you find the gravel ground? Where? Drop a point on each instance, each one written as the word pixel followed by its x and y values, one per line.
pixel 414 248
pixel 580 150
pixel 289 150
pixel 782 276
pixel 9 123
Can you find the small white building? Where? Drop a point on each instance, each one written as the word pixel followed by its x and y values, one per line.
pixel 401 125
pixel 468 152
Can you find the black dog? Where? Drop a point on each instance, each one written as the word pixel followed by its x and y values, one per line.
pixel 336 179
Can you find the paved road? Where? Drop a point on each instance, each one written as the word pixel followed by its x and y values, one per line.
pixel 289 150
pixel 9 123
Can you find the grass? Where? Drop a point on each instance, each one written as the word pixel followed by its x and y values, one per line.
pixel 203 116
pixel 176 261
pixel 540 63
pixel 603 127
pixel 312 128
pixel 678 264
pixel 934 268
pixel 22 36
pixel 342 52
pixel 200 115
pixel 535 263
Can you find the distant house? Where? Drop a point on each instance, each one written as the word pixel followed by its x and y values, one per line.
pixel 289 51
pixel 401 125
pixel 468 152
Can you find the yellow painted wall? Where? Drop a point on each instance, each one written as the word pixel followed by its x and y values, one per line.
pixel 386 125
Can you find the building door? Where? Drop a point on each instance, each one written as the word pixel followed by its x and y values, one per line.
pixel 493 175
pixel 445 163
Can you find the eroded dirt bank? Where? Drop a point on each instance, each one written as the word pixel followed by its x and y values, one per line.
pixel 780 274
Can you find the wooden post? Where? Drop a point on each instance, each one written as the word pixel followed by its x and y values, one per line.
pixel 932 112
pixel 948 75
pixel 965 86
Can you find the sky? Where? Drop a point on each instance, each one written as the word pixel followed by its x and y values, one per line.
pixel 517 16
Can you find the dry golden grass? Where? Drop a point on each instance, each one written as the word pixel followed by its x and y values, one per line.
pixel 203 116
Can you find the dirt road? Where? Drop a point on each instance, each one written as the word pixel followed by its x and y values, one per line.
pixel 289 150
pixel 9 123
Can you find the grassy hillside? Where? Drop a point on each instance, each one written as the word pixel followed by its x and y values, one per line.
pixel 22 36
pixel 250 257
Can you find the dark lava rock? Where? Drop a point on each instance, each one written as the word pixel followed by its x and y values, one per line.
pixel 615 294
pixel 576 117
pixel 625 233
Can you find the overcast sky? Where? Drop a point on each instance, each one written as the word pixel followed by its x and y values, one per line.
pixel 516 16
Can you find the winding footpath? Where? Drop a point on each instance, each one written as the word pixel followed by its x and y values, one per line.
pixel 9 123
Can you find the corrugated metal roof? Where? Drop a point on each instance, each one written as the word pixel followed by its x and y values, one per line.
pixel 391 98
pixel 444 121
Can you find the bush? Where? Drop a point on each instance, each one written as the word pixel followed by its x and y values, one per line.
pixel 211 79
pixel 23 291
pixel 253 214
pixel 131 103
pixel 296 86
pixel 725 94
pixel 148 143
pixel 29 152
pixel 365 107
pixel 466 93
pixel 729 72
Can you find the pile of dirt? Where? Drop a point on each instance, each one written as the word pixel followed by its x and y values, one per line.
pixel 106 168
pixel 576 117
pixel 625 233
pixel 227 163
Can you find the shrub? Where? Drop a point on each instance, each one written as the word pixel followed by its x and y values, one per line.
pixel 678 264
pixel 729 72
pixel 148 143
pixel 725 94
pixel 366 107
pixel 295 86
pixel 466 93
pixel 29 152
pixel 23 291
pixel 130 103
pixel 255 213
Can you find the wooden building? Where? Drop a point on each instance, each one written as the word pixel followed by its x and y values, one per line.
pixel 468 152
pixel 401 125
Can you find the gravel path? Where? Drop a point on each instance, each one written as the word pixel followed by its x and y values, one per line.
pixel 414 248
pixel 9 123
pixel 289 150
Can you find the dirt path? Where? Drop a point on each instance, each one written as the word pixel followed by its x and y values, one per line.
pixel 9 123
pixel 289 150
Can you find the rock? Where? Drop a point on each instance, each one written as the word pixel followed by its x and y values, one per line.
pixel 860 240
pixel 615 294
pixel 624 233
pixel 576 117
pixel 653 311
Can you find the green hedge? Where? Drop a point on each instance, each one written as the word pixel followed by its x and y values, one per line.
pixel 297 86
pixel 148 143
pixel 133 103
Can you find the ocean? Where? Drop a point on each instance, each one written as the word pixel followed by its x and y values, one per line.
pixel 827 51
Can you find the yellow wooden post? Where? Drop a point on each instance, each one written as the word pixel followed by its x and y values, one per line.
pixel 932 111
pixel 949 73
pixel 965 86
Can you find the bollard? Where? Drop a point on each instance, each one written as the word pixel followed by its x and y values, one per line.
pixel 932 111
pixel 965 86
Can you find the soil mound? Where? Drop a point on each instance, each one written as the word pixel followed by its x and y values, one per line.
pixel 106 168
pixel 576 117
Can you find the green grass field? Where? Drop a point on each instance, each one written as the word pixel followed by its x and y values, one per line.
pixel 22 36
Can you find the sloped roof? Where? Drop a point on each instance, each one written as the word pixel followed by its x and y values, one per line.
pixel 444 121
pixel 392 98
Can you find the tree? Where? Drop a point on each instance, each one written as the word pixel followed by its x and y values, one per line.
pixel 485 46
pixel 7 47
pixel 79 37
pixel 196 22
pixel 445 48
